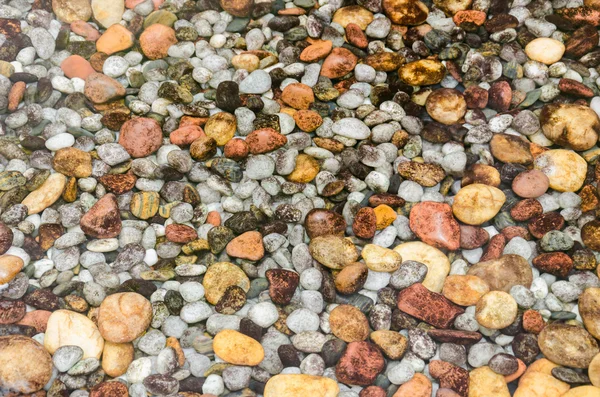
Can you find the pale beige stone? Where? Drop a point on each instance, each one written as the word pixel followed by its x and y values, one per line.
pixel 44 196
pixel 381 259
pixel 69 328
pixel 438 265
pixel 295 385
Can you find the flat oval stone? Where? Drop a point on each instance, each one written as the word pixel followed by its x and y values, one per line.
pixel 438 265
pixel 321 222
pixel 477 203
pixel 360 364
pixel 353 14
pixel 351 278
pixel 380 259
pixel 221 127
pixel 334 252
pixel 70 11
pixel 10 266
pixel 570 125
pixel 116 358
pixel 545 50
pixel 568 345
pixel 464 290
pixel 116 38
pixel 446 105
pixel 405 12
pixel 156 40
pixel 565 169
pixel 338 63
pixel 100 88
pixel 46 195
pixel 124 316
pixel 108 13
pixel 265 140
pixel 293 385
pixel 66 328
pixel 350 127
pixel 25 366
pixel 238 349
pixel 434 224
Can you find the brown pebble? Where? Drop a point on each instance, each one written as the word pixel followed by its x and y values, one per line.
pixel 356 36
pixel 348 323
pixel 545 223
pixel 511 149
pixel 351 278
pixel 526 209
pixel 321 222
pixel 360 364
pixel 472 237
pixel 428 306
pixel 556 263
pixel 298 96
pixel 476 97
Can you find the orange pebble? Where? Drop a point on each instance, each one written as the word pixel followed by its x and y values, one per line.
pixel 213 218
pixel 15 95
pixel 236 149
pixel 516 375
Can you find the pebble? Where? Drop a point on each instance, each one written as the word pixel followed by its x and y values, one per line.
pixel 24 375
pixel 289 385
pixel 255 199
pixel 124 316
pixel 67 328
pixel 477 203
pixel 545 50
pixel 238 349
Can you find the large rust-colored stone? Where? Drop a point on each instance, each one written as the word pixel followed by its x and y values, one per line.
pixel 338 63
pixel 435 225
pixel 156 40
pixel 103 220
pixel 431 307
pixel 365 223
pixel 360 364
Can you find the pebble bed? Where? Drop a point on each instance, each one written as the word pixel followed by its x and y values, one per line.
pixel 299 198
